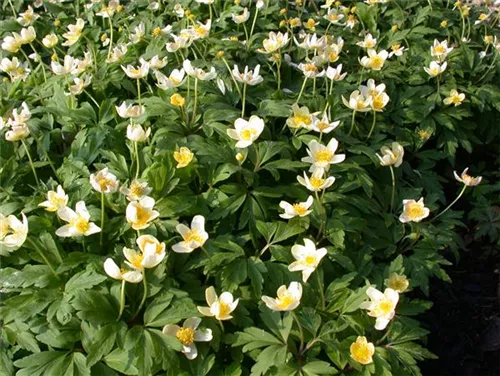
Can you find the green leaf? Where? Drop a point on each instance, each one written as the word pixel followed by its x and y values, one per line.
pixel 122 361
pixel 95 306
pixel 83 280
pixel 254 338
pixel 318 367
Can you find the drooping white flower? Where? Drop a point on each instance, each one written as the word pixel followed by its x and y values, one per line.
pixel 136 133
pixel 393 156
pixel 246 132
pixel 307 258
pixel 467 179
pixel 193 237
pixel 13 232
pixel 55 200
pixel 287 298
pixel 175 79
pixel 17 133
pixel 414 211
pixel 74 33
pixel 131 276
pixel 241 18
pixel 78 221
pixel 321 156
pixel 104 181
pixel 218 306
pixel 188 334
pixel 381 305
pixel 300 209
pixel 130 111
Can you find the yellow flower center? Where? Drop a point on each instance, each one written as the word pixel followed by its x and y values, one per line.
pixel 185 336
pixel 385 307
pixel 104 183
pixel 300 209
pixel 142 215
pixel 378 102
pixel 423 134
pixel 395 47
pixel 434 71
pixel 323 156
pixel 322 125
pixel 333 17
pixel 302 118
pixel 398 283
pixel 4 229
pixel 224 309
pixel 376 62
pixel 360 104
pixel 310 68
pixel 284 302
pixel 81 225
pixel 156 31
pixel 316 182
pixel 136 190
pixel 193 235
pixel 456 99
pixel 361 352
pixel 137 262
pixel 483 16
pixel 414 210
pixel 248 134
pixel 183 156
pixel 439 49
pixel 310 260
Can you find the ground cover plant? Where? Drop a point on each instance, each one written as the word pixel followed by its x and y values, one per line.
pixel 238 188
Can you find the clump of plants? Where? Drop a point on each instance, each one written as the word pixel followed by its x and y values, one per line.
pixel 235 188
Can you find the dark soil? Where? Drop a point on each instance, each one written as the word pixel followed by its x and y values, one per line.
pixel 465 319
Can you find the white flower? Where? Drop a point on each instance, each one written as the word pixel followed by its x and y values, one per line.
pixel 130 111
pixel 175 79
pixel 467 179
pixel 374 60
pixel 208 2
pixel 193 237
pixel 240 18
pixel 12 43
pixel 198 73
pixel 300 117
pixel 308 258
pixel 17 132
pixel 156 63
pixel 357 102
pixel 104 181
pixel 316 182
pixel 324 124
pixel 139 72
pixel 310 70
pixel 81 65
pixel 20 116
pixel 414 211
pixel 221 85
pixel 80 84
pixel 246 132
pixel 248 76
pixel 312 42
pixel 140 213
pixel 396 50
pixel 381 305
pixel 78 222
pixel 74 33
pixel 28 35
pixel 321 156
pixel 435 69
pixel 68 67
pixel 188 334
pixel 300 209
pixel 15 69
pixel 200 30
pixel 287 298
pixel 275 42
pixel 55 200
pixel 333 16
pixel 27 17
pixel 117 53
pixel 368 42
pixel 220 307
pixel 179 10
pixel 141 260
pixel 136 133
pixel 454 98
pixel 335 74
pixel 138 33
pixel 440 49
pixel 180 41
pixel 13 232
pixel 131 276
pixel 392 157
pixel 151 248
pixel 136 191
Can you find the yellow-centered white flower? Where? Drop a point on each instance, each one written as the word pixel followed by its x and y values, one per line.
pixel 300 209
pixel 467 179
pixel 193 237
pixel 323 125
pixel 156 63
pixel 240 18
pixel 368 42
pixel 219 307
pixel 136 133
pixel 13 232
pixel 27 17
pixel 12 43
pixel 335 74
pixel 131 276
pixel 274 42
pixel 140 213
pixel 287 298
pixel 381 306
pixel 136 191
pixel 249 77
pixel 74 33
pixel 188 334
pixel 414 211
pixel 56 200
pixel 311 70
pixel 141 260
pixel 308 258
pixel 321 156
pixel 393 156
pixel 138 72
pixel 435 68
pixel 78 222
pixel 175 79
pixel 198 73
pixel 246 132
pixel 130 111
pixel 374 60
pixel 454 98
pixel 316 182
pixel 149 245
pixel 80 83
pixel 69 66
pixel 104 181
pixel 440 50
pixel 357 102
pixel 300 118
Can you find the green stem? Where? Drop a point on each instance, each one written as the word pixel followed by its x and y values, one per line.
pixel 352 122
pixel 40 63
pixel 301 332
pixel 393 187
pixel 322 216
pixel 193 119
pixel 301 89
pixel 243 99
pixel 253 22
pixel 122 300
pixel 320 288
pixel 110 36
pixel 373 125
pixel 40 253
pixel 144 295
pixel 491 66
pixel 102 217
pixel 13 9
pixel 278 71
pixel 453 203
pixel 232 77
pixel 246 33
pixel 31 163
pixel 137 160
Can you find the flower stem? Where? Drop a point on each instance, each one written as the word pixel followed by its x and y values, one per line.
pixel 137 160
pixel 253 22
pixel 232 77
pixel 301 90
pixel 144 295
pixel 301 332
pixel 352 122
pixel 453 203
pixel 139 91
pixel 122 300
pixel 320 288
pixel 31 163
pixel 40 253
pixel 322 215
pixel 278 71
pixel 373 125
pixel 102 217
pixel 243 99
pixel 110 37
pixel 393 188
pixel 193 119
